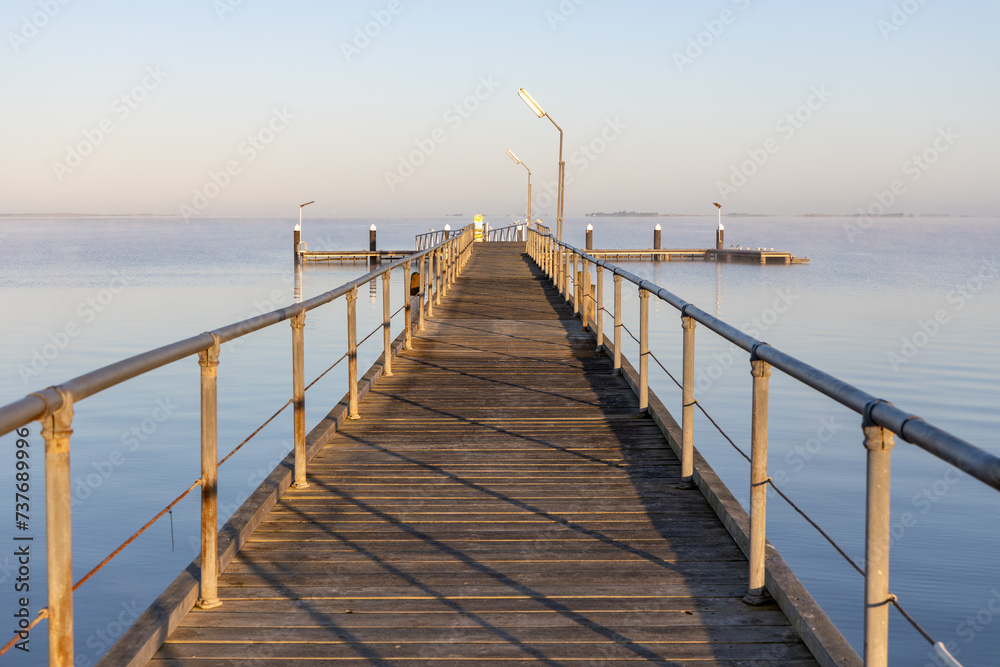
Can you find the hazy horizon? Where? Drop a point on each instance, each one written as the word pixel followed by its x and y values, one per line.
pixel 226 108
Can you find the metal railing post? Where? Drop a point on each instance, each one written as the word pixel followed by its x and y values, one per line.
pixel 298 323
pixel 56 430
pixel 208 597
pixel 430 284
pixel 584 292
pixel 618 324
pixel 687 406
pixel 879 443
pixel 761 371
pixel 599 308
pixel 643 351
pixel 386 326
pixel 407 300
pixel 438 275
pixel 352 354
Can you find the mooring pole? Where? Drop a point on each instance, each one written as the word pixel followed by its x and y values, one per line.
pixel 372 247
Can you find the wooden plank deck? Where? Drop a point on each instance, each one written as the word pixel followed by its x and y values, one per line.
pixel 499 502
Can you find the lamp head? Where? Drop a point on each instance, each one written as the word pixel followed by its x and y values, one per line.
pixel 307 203
pixel 513 157
pixel 719 206
pixel 530 101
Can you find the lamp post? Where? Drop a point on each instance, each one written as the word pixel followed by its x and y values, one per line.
pixel 539 111
pixel 720 232
pixel 514 158
pixel 302 206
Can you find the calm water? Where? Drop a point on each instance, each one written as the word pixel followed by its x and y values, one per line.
pixel 907 309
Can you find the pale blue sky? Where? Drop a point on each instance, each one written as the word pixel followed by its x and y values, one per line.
pixel 671 132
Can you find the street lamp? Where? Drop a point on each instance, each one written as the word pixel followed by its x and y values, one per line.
pixel 514 158
pixel 720 232
pixel 302 206
pixel 539 111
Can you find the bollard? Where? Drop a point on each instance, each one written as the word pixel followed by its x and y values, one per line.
pixel 296 241
pixel 656 240
pixel 372 246
pixel 590 237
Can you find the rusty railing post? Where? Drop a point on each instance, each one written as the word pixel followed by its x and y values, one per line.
pixel 438 275
pixel 599 308
pixel 386 326
pixel 298 323
pixel 761 371
pixel 643 351
pixel 879 443
pixel 56 430
pixel 618 324
pixel 208 597
pixel 687 406
pixel 352 354
pixel 430 284
pixel 584 292
pixel 407 300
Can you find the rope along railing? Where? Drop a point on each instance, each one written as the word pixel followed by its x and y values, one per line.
pixel 880 421
pixel 438 267
pixel 812 522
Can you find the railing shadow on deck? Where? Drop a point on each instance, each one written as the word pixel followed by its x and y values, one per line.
pixel 569 269
pixel 438 266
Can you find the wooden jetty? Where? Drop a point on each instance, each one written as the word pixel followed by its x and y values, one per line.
pixel 748 256
pixel 352 255
pixel 500 501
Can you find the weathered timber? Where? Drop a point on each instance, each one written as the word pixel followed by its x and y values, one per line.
pixel 500 500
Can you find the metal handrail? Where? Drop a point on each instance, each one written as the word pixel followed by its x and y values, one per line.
pixel 880 421
pixel 438 267
pixel 913 429
pixel 513 232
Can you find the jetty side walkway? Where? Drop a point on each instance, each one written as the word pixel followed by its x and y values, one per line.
pixel 500 501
